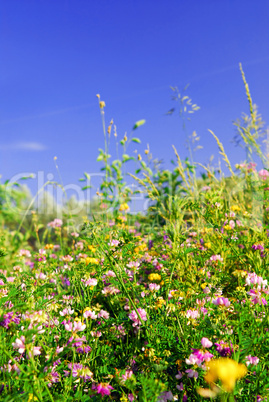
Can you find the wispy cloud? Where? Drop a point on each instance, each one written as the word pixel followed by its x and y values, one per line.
pixel 49 113
pixel 23 146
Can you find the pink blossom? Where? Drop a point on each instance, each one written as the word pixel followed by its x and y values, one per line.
pixel 153 287
pixel 180 387
pixel 263 174
pixel 193 359
pixel 165 396
pixel 56 223
pixel 91 314
pixel 90 282
pixel 19 344
pixel 216 257
pixel 109 274
pixel 254 360
pixel 126 376
pixel 191 373
pixel 110 290
pixel 206 343
pixel 103 389
pixel 179 375
pixel 133 316
pixel 75 327
pixel 66 311
pixel 103 314
pixel 221 301
pixel 35 352
pixel 113 243
pixel 193 314
pixel 24 253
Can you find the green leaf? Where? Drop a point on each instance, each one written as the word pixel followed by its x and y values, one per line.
pixel 143 164
pixel 27 177
pixel 139 123
pixel 85 187
pixel 137 140
pixel 100 158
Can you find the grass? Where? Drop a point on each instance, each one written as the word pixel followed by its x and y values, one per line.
pixel 168 305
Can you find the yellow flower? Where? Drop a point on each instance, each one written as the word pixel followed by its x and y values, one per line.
pixel 102 104
pixel 207 245
pixel 90 260
pixel 32 398
pixel 235 208
pixel 159 303
pixel 49 246
pixel 227 370
pixel 92 248
pixel 154 277
pixel 124 207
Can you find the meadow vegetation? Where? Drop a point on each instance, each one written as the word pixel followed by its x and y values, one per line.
pixel 169 304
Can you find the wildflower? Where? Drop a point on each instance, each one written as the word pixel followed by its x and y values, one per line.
pixel 193 314
pixel 256 296
pixel 19 344
pixel 56 223
pixel 216 258
pixel 227 370
pixel 124 207
pixel 191 373
pixel 263 174
pixel 221 301
pixel 103 388
pixel 110 290
pixel 133 316
pixel 102 104
pixel 103 314
pixel 88 313
pixel 52 377
pixel 154 277
pixel 9 318
pixel 113 243
pixel 159 303
pixel 90 282
pixel 24 253
pixel 66 311
pixel 75 327
pixel 153 287
pixel 252 360
pixel 91 260
pixel 126 376
pixel 78 370
pixel 224 348
pixel 165 396
pixel 206 343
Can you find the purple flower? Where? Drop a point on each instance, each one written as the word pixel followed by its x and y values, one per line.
pixel 254 360
pixel 103 388
pixel 224 349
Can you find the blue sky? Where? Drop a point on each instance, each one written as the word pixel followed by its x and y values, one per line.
pixel 57 55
